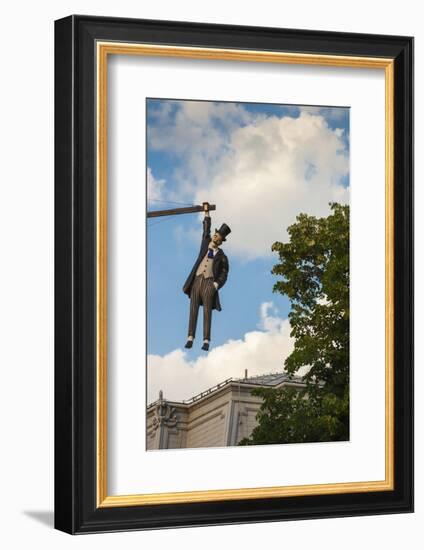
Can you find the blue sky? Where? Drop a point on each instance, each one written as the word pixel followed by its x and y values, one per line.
pixel 169 262
pixel 261 165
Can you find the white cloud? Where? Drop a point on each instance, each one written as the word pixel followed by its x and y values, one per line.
pixel 337 114
pixel 260 352
pixel 155 187
pixel 260 171
pixel 269 322
pixel 197 133
pixel 276 169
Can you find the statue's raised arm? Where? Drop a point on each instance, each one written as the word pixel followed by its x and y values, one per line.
pixel 206 223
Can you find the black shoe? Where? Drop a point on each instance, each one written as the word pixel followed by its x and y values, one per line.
pixel 189 344
pixel 205 347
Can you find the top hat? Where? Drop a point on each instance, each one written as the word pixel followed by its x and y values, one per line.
pixel 224 230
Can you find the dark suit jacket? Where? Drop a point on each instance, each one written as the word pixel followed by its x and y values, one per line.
pixel 220 265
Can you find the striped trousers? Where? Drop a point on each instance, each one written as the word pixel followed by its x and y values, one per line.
pixel 202 292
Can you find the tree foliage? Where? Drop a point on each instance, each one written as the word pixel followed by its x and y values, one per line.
pixel 313 271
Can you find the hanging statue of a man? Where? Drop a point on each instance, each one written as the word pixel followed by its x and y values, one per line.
pixel 208 275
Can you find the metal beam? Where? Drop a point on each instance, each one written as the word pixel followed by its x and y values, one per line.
pixel 176 211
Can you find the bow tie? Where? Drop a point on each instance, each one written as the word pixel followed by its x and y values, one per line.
pixel 210 253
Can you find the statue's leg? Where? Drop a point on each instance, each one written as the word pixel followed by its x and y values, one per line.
pixel 195 297
pixel 207 298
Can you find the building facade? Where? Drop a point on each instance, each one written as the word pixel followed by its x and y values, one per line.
pixel 218 417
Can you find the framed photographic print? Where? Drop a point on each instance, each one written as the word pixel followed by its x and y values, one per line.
pixel 233 266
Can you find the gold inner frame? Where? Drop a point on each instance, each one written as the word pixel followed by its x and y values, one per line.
pixel 104 49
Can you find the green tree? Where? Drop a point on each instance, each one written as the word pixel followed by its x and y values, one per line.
pixel 313 271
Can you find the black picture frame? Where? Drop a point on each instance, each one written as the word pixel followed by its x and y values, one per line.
pixel 76 509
